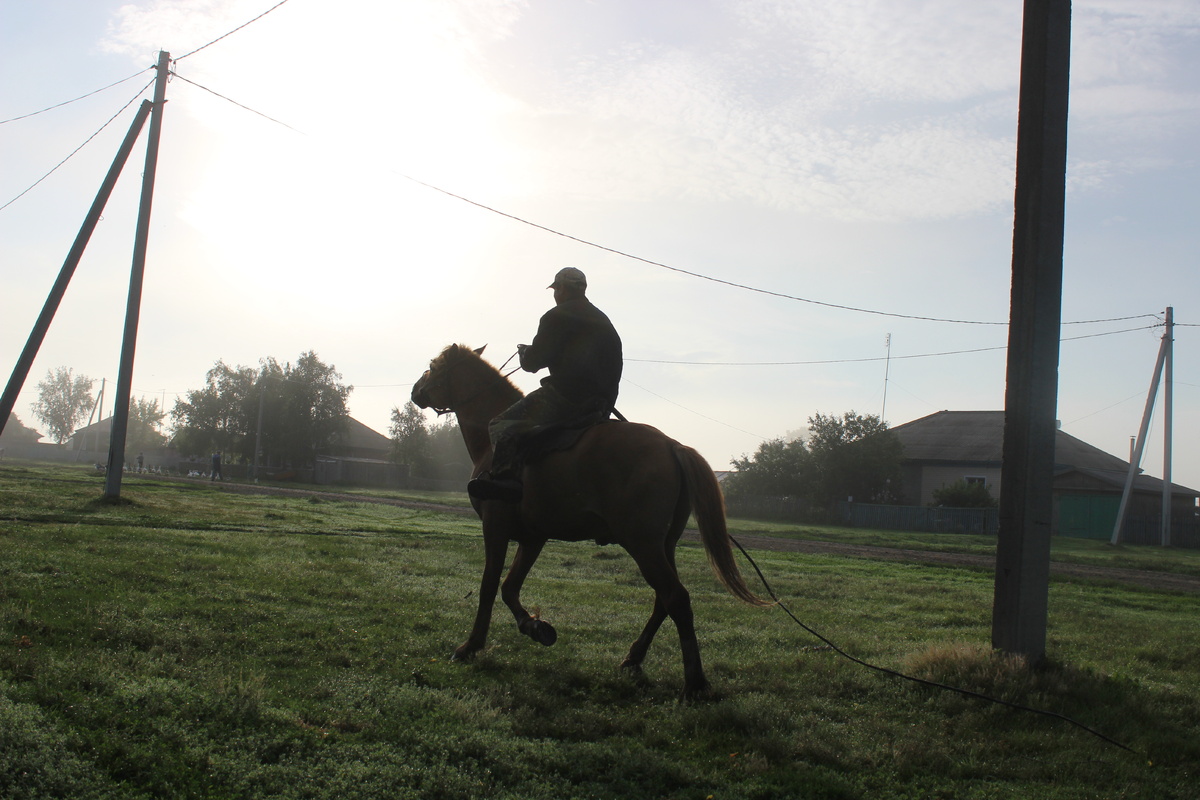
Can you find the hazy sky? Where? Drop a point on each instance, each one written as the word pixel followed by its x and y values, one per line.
pixel 854 158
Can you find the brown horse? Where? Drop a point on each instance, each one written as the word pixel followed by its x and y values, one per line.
pixel 621 483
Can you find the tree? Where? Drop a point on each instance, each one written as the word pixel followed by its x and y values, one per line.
pixel 779 468
pixel 430 451
pixel 302 407
pixel 855 456
pixel 64 400
pixel 142 433
pixel 410 438
pixel 961 494
pixel 215 417
pixel 848 456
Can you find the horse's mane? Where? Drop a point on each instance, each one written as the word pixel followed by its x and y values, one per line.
pixel 464 356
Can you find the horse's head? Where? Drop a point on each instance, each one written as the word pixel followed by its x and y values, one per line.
pixel 438 387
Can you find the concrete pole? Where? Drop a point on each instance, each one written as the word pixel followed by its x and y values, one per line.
pixel 21 371
pixel 1168 413
pixel 1020 604
pixel 120 417
pixel 1135 460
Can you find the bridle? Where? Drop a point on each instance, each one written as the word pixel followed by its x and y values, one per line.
pixel 501 375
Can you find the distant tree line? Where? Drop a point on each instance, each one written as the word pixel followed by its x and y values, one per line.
pixel 64 401
pixel 842 457
pixel 429 450
pixel 290 410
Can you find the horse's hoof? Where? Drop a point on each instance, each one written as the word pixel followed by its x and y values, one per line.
pixel 543 633
pixel 463 653
pixel 632 667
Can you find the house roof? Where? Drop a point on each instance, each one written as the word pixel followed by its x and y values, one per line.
pixel 977 437
pixel 358 436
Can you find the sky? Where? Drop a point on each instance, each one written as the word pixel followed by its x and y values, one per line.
pixel 763 194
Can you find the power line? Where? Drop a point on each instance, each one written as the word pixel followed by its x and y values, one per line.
pixel 235 102
pixel 863 360
pixel 230 33
pixel 81 97
pixel 633 257
pixel 732 283
pixel 77 149
pixel 685 408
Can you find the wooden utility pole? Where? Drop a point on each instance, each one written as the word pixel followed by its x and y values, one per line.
pixel 120 418
pixel 1020 603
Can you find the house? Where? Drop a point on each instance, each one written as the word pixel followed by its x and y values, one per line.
pixel 967 445
pixel 359 441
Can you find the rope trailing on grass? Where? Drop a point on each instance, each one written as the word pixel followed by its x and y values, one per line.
pixel 914 679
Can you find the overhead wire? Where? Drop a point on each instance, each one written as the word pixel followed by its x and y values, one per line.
pixel 733 284
pixel 691 411
pixel 235 102
pixel 77 99
pixel 870 359
pixel 659 264
pixel 80 147
pixel 230 33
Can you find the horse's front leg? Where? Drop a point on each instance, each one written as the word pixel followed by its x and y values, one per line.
pixel 495 550
pixel 537 629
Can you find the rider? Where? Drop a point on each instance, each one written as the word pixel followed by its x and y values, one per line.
pixel 580 346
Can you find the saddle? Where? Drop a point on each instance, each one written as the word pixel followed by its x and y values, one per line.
pixel 562 436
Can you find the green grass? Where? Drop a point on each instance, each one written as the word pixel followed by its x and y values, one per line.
pixel 188 642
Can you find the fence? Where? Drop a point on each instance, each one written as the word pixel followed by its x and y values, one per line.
pixel 1139 529
pixel 982 521
pixel 1147 529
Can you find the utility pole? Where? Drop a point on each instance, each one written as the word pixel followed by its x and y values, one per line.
pixel 886 371
pixel 120 417
pixel 1168 412
pixel 21 371
pixel 1020 604
pixel 1135 457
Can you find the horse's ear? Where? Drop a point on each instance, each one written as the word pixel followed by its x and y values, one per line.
pixel 479 352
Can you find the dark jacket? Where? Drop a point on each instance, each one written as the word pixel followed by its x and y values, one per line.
pixel 581 347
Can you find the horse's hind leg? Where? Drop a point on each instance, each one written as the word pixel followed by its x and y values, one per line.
pixel 536 629
pixel 674 599
pixel 637 651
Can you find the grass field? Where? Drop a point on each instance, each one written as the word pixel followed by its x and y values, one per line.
pixel 187 642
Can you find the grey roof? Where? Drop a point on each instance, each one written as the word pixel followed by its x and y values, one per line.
pixel 977 437
pixel 357 435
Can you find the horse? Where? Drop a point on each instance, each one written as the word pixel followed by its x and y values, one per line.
pixel 621 483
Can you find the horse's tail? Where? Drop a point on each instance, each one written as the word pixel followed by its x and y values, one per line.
pixel 708 507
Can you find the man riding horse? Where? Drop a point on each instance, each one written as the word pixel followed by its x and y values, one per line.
pixel 582 350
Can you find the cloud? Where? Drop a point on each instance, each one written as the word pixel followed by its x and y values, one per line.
pixel 657 122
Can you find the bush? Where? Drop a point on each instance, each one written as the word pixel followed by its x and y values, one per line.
pixel 961 494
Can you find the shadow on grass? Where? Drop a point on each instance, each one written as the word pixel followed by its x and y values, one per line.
pixel 1145 719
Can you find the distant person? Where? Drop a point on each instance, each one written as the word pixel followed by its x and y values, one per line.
pixel 582 350
pixel 141 460
pixel 216 466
